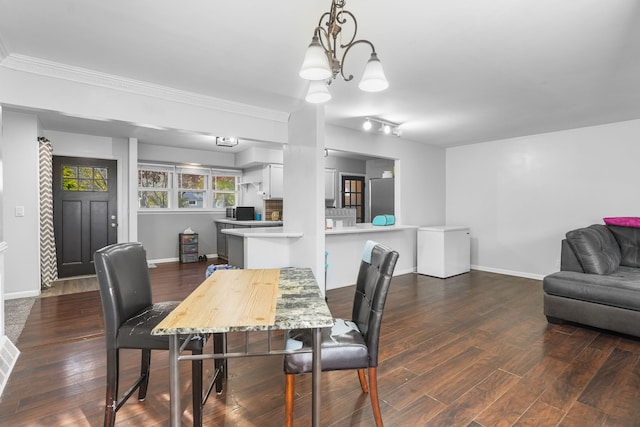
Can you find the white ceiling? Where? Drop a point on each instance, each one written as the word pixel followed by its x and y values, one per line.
pixel 460 71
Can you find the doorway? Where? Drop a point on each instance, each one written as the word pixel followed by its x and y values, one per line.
pixel 353 194
pixel 84 211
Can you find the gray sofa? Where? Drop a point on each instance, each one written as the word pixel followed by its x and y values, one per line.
pixel 599 281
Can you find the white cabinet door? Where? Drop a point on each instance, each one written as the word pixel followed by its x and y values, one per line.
pixel 329 184
pixel 276 178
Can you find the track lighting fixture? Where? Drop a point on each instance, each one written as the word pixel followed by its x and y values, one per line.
pixel 386 127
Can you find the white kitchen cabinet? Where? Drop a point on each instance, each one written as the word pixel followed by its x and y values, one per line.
pixel 275 182
pixel 443 251
pixel 329 184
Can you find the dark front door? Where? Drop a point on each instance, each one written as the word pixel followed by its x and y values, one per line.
pixel 84 211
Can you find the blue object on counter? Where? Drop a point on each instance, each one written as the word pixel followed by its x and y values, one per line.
pixel 384 220
pixel 213 267
pixel 258 217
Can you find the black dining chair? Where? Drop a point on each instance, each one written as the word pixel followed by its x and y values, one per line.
pixel 349 344
pixel 129 317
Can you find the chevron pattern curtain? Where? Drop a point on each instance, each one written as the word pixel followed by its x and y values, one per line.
pixel 48 263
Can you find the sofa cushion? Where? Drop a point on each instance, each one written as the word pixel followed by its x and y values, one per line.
pixel 596 249
pixel 620 289
pixel 628 239
pixel 623 221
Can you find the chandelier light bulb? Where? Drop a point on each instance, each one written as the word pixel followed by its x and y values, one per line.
pixel 316 63
pixel 386 129
pixel 318 92
pixel 373 78
pixel 367 125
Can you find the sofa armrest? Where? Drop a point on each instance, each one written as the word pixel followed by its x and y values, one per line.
pixel 568 259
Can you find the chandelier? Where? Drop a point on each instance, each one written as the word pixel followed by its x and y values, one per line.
pixel 323 62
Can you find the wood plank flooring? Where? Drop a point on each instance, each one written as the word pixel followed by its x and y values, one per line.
pixel 472 350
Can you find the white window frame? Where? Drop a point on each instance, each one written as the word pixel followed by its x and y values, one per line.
pixel 191 170
pixel 174 190
pixel 169 190
pixel 223 172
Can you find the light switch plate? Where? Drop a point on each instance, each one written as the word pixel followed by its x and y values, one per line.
pixel 19 210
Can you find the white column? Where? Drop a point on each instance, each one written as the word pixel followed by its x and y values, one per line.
pixel 133 189
pixel 303 202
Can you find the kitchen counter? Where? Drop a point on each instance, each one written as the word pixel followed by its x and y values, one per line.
pixel 254 232
pixel 344 250
pixel 259 247
pixel 249 223
pixel 368 228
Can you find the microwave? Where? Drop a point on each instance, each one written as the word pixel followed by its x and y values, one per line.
pixel 245 213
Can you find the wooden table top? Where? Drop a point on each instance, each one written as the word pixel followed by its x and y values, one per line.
pixel 250 300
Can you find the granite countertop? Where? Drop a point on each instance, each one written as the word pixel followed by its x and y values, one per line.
pixel 299 305
pixel 275 232
pixel 368 228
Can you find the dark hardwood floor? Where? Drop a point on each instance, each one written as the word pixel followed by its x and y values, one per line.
pixel 472 350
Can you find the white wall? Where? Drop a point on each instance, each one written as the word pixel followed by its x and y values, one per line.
pixel 420 171
pixel 520 196
pixel 21 182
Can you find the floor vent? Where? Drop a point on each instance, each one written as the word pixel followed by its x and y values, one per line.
pixel 8 355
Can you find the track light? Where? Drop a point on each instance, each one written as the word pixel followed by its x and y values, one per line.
pixel 226 141
pixel 386 127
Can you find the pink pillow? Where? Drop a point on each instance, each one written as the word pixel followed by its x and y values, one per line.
pixel 623 221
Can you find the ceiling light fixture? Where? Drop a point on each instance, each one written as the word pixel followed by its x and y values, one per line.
pixel 323 62
pixel 386 127
pixel 226 141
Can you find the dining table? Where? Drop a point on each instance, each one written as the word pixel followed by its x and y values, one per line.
pixel 242 301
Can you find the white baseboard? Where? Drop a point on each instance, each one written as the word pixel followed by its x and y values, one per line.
pixel 8 355
pixel 24 294
pixel 508 272
pixel 405 271
pixel 163 260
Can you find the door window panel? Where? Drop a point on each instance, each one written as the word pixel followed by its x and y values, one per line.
pixel 84 178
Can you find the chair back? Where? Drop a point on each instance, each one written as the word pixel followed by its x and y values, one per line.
pixel 125 287
pixel 372 286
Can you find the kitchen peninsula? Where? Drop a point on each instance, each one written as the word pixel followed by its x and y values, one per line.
pixel 259 247
pixel 270 248
pixel 229 223
pixel 344 250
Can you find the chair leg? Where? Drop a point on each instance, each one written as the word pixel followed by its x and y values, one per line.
pixel 363 381
pixel 289 392
pixel 112 388
pixel 144 373
pixel 196 381
pixel 375 404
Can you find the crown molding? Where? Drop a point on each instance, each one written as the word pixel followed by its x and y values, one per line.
pixel 95 78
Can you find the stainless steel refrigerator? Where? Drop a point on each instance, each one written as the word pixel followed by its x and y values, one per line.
pixel 381 194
